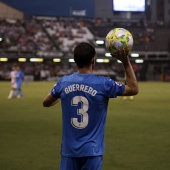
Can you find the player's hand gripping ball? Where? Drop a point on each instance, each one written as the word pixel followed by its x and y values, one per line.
pixel 118 39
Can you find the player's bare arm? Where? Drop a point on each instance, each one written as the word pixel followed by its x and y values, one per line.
pixel 50 101
pixel 131 87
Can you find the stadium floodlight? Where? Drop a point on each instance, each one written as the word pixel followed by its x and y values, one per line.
pixel 71 60
pixel 22 59
pixel 56 60
pixel 134 55
pixel 99 42
pixel 139 61
pixel 102 60
pixel 108 55
pixel 36 59
pixel 3 59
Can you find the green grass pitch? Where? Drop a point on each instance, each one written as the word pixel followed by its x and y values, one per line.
pixel 137 132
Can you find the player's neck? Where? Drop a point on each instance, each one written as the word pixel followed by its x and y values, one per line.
pixel 88 70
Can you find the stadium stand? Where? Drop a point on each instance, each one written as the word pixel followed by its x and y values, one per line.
pixel 42 35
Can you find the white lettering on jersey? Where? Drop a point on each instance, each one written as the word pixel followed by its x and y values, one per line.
pixel 119 84
pixel 80 87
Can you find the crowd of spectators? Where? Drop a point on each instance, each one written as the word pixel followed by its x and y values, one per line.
pixel 61 34
pixel 52 33
pixel 43 34
pixel 24 35
pixel 144 37
pixel 67 32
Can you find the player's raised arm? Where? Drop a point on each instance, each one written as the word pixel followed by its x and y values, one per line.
pixel 50 101
pixel 131 87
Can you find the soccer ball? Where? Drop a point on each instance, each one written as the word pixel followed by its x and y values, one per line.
pixel 118 39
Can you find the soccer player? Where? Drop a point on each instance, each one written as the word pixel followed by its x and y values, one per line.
pixel 84 100
pixel 20 78
pixel 13 77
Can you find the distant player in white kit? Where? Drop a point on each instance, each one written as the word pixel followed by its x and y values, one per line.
pixel 13 77
pixel 84 100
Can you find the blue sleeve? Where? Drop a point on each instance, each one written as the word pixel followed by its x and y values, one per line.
pixel 23 74
pixel 56 91
pixel 113 89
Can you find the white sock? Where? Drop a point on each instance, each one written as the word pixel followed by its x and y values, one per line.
pixel 11 94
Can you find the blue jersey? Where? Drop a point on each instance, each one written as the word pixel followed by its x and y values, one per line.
pixel 84 100
pixel 20 78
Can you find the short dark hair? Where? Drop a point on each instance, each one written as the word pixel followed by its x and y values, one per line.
pixel 84 54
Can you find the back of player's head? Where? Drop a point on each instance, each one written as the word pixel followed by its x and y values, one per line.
pixel 84 54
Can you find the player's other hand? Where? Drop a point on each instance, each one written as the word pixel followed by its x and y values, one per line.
pixel 121 55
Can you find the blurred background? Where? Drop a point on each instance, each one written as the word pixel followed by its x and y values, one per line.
pixel 40 36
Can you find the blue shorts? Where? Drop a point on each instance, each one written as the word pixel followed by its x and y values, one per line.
pixel 19 85
pixel 81 163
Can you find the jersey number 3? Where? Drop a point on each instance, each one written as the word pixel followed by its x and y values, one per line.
pixel 82 112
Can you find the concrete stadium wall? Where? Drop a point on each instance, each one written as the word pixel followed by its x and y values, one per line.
pixel 59 8
pixel 9 12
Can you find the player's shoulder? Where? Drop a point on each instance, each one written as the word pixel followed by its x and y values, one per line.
pixel 65 78
pixel 103 78
pixel 62 80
